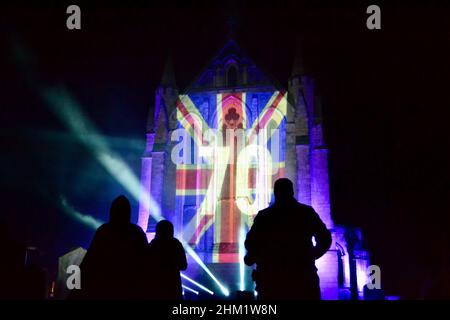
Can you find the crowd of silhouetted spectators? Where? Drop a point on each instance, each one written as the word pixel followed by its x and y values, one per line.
pixel 121 264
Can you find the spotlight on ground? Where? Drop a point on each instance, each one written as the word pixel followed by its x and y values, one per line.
pixel 197 259
pixel 196 283
pixel 190 289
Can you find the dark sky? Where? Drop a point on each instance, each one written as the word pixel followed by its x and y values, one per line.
pixel 381 93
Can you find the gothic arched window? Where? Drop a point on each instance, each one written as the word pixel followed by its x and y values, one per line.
pixel 232 76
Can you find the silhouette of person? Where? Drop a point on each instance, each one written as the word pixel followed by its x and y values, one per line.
pixel 112 264
pixel 280 244
pixel 166 258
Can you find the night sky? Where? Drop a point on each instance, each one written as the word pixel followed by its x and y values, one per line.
pixel 384 117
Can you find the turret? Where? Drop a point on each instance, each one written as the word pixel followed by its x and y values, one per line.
pixel 165 104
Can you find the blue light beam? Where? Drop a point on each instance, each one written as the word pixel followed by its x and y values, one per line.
pixel 190 289
pixel 197 284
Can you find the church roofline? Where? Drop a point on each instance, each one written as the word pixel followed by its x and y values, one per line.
pixel 244 58
pixel 254 88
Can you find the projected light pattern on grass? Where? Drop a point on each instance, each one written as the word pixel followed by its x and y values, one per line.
pixel 225 168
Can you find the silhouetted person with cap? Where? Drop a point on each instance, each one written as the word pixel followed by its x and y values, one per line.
pixel 165 259
pixel 112 265
pixel 280 244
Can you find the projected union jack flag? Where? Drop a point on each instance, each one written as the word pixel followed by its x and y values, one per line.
pixel 233 151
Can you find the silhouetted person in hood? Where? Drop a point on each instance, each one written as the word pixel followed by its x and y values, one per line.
pixel 166 258
pixel 112 265
pixel 280 243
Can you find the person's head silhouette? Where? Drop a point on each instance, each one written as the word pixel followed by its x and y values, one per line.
pixel 164 229
pixel 120 211
pixel 283 190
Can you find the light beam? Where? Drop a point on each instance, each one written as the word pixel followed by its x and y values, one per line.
pixel 86 219
pixel 190 289
pixel 196 283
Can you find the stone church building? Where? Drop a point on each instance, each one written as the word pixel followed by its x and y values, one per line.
pixel 278 132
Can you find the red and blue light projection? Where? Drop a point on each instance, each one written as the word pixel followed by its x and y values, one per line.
pixel 213 153
pixel 227 166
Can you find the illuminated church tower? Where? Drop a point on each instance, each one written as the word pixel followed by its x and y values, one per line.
pixel 214 150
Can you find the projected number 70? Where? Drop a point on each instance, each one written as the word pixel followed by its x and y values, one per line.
pixel 231 157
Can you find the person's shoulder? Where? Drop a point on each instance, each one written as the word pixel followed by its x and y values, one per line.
pixel 136 229
pixel 152 244
pixel 267 211
pixel 177 242
pixel 137 233
pixel 307 211
pixel 265 214
pixel 102 234
pixel 304 207
pixel 103 228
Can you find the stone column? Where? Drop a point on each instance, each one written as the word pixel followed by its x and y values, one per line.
pixel 303 174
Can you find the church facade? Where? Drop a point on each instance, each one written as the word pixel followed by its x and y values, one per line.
pixel 214 150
